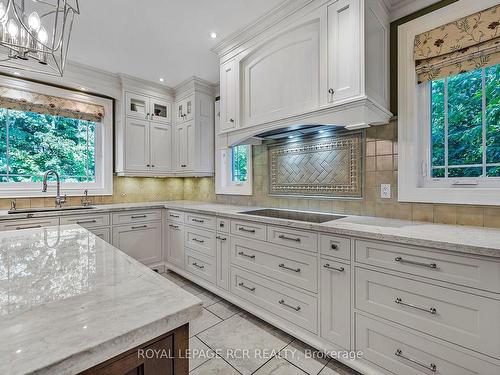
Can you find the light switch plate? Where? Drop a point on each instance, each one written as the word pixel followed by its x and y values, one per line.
pixel 385 191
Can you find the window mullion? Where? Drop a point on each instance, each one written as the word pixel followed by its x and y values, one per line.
pixel 483 110
pixel 446 127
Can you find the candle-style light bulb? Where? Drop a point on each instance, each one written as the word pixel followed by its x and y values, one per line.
pixel 34 21
pixel 42 35
pixel 12 28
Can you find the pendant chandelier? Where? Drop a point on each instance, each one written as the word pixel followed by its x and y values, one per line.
pixel 34 34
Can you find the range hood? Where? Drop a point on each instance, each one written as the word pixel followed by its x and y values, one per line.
pixel 296 131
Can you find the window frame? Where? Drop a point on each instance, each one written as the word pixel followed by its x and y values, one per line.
pixel 103 184
pixel 224 173
pixel 414 114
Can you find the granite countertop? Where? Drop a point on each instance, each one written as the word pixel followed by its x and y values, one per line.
pixel 463 239
pixel 69 301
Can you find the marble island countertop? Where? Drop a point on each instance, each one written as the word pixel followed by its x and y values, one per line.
pixel 470 240
pixel 69 301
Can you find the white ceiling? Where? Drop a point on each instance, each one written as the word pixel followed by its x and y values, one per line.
pixel 150 39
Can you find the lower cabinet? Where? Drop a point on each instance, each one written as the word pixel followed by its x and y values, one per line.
pixel 201 265
pixel 175 243
pixel 142 241
pixel 335 297
pixel 104 233
pixel 222 259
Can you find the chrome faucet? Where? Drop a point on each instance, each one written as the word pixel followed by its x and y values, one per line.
pixel 59 200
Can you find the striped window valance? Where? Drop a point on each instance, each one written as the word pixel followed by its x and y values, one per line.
pixel 46 104
pixel 466 44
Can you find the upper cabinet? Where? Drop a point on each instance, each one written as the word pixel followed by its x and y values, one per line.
pixel 166 132
pixel 325 62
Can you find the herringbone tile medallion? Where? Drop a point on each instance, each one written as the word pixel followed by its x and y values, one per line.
pixel 329 167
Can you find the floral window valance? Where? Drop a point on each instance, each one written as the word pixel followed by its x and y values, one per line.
pixel 47 104
pixel 466 44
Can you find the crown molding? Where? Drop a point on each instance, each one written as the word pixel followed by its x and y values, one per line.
pixel 193 84
pixel 401 8
pixel 266 21
pixel 134 83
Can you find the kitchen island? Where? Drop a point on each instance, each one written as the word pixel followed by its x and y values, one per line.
pixel 70 302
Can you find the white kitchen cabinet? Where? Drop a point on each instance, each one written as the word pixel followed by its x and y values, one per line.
pixel 28 223
pixel 137 145
pixel 103 233
pixel 160 140
pixel 147 108
pixel 335 297
pixel 160 111
pixel 148 146
pixel 222 258
pixel 142 241
pixel 229 104
pixel 175 243
pixel 184 146
pixel 184 109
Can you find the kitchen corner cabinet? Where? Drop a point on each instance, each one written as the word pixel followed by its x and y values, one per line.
pixel 148 108
pixel 193 139
pixel 229 107
pixel 184 109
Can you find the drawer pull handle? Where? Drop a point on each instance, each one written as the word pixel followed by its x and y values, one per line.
pixel 283 237
pixel 340 269
pixel 86 222
pixel 282 265
pixel 139 227
pixel 252 289
pixel 198 221
pixel 197 240
pixel 282 302
pixel 428 265
pixel 221 238
pixel 173 226
pixel 430 310
pixel 335 247
pixel 243 229
pixel 198 266
pixel 29 227
pixel 431 367
pixel 138 216
pixel 246 255
pixel 176 216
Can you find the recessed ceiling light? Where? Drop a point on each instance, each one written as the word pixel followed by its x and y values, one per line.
pixel 83 89
pixel 321 131
pixel 17 73
pixel 162 79
pixel 291 136
pixel 213 35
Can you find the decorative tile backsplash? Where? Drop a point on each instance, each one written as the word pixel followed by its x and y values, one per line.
pixel 326 167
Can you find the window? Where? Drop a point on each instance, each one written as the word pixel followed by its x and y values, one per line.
pixel 448 128
pixel 239 158
pixel 465 126
pixel 31 143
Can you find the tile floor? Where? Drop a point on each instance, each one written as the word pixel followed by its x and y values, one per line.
pixel 264 349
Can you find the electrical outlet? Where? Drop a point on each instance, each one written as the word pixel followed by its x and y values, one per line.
pixel 385 191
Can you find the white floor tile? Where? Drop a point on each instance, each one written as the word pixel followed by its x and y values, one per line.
pixel 300 355
pixel 200 353
pixel 224 309
pixel 175 278
pixel 279 366
pixel 336 368
pixel 208 298
pixel 193 288
pixel 215 366
pixel 202 322
pixel 244 342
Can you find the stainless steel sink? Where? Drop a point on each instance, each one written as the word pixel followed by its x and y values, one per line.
pixel 311 217
pixel 48 209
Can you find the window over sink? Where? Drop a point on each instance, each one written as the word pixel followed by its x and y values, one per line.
pixel 47 128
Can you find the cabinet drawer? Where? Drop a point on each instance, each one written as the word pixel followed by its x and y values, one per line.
pixel 200 240
pixel 276 261
pixel 87 221
pixel 402 352
pixel 299 239
pixel 335 246
pixel 175 216
pixel 473 272
pixel 223 225
pixel 294 306
pixel 201 265
pixel 464 319
pixel 175 243
pixel 136 216
pixel 249 229
pixel 28 223
pixel 202 221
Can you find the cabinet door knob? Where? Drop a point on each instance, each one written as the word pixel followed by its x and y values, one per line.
pixel 231 120
pixel 152 165
pixel 331 91
pixel 147 165
pixel 183 165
